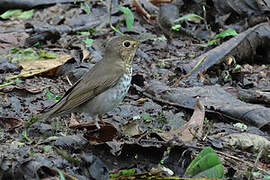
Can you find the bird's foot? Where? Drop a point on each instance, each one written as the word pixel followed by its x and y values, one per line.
pixel 97 125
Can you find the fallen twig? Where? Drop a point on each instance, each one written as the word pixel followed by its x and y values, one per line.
pixel 188 74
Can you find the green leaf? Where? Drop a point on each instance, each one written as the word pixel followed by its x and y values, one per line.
pixel 47 148
pixel 13 50
pixel 212 42
pixel 57 98
pixel 91 31
pixel 85 6
pixel 25 136
pixel 214 172
pixel 49 94
pixel 128 171
pixel 88 42
pixel 176 27
pixel 226 33
pixel 147 118
pixel 52 96
pixel 25 55
pixel 116 30
pixel 237 67
pixel 18 81
pixel 206 164
pixel 26 14
pixel 123 172
pixel 10 13
pixel 17 13
pixel 190 17
pixel 46 55
pixel 128 16
pixel 29 54
pixel 37 44
pixel 228 76
pixel 32 121
pixel 82 33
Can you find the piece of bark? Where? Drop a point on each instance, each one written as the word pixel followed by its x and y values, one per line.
pixel 214 98
pixel 242 47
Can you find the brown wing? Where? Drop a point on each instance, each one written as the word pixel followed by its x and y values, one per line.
pixel 97 80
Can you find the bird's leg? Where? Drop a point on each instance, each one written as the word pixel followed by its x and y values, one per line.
pixel 96 122
pixel 73 120
pixel 100 118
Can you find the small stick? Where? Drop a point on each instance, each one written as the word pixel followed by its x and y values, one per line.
pixel 69 82
pixel 188 74
pixel 113 28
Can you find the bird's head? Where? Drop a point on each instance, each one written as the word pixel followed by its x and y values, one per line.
pixel 122 46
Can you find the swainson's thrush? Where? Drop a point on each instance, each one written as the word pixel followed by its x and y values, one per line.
pixel 102 88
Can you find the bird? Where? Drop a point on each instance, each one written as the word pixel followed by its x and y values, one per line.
pixel 104 86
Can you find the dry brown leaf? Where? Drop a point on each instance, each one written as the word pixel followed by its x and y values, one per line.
pixel 195 124
pixel 73 120
pixel 131 128
pixel 141 100
pixel 247 141
pixel 192 128
pixel 31 68
pixel 142 11
pixel 9 123
pixel 86 54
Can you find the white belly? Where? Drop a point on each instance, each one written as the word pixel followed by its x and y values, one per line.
pixel 109 99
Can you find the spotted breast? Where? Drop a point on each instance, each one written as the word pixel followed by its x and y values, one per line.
pixel 109 99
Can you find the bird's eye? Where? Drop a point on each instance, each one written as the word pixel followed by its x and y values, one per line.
pixel 126 44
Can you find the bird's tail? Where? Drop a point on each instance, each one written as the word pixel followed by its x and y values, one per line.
pixel 47 113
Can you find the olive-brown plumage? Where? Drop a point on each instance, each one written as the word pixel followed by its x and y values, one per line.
pixel 104 86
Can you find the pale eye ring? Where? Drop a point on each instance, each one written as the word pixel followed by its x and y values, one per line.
pixel 126 44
